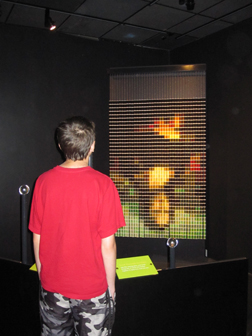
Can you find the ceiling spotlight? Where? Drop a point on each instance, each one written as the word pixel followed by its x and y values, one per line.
pixel 190 4
pixel 49 23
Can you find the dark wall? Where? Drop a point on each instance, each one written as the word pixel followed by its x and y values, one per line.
pixel 228 56
pixel 46 77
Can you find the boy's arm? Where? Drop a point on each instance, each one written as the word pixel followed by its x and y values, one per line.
pixel 36 243
pixel 108 249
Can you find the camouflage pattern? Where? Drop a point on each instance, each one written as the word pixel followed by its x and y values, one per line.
pixel 62 316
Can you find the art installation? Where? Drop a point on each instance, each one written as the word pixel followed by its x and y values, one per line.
pixel 158 150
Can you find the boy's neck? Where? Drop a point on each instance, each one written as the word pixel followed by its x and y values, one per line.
pixel 75 164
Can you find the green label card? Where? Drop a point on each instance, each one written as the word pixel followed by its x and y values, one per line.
pixel 135 267
pixel 33 268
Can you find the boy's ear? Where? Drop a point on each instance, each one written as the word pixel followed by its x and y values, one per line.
pixel 59 146
pixel 92 148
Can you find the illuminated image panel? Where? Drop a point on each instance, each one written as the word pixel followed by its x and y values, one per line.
pixel 158 163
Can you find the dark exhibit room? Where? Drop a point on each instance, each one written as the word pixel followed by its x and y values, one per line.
pixel 167 84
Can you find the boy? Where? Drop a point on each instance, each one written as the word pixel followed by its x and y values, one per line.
pixel 75 213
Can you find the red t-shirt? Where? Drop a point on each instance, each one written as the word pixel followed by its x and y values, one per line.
pixel 72 210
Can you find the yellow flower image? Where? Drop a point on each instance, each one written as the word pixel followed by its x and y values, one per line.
pixel 159 210
pixel 168 130
pixel 159 176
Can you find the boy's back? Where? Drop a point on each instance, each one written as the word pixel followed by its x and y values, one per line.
pixel 75 213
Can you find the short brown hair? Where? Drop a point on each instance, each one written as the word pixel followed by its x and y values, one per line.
pixel 75 137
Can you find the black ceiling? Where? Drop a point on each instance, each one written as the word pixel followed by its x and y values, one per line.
pixel 161 24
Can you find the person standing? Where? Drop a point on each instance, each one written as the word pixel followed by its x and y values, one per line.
pixel 75 214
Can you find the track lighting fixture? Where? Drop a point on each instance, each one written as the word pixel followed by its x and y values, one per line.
pixel 189 4
pixel 49 23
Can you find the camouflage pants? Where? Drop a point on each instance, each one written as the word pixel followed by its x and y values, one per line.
pixel 62 316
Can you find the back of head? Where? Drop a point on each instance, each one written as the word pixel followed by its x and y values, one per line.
pixel 75 137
